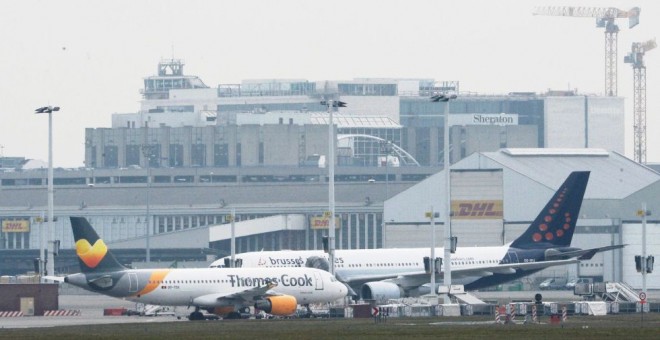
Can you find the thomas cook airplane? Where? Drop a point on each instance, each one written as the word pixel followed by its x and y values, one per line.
pixel 277 291
pixel 395 273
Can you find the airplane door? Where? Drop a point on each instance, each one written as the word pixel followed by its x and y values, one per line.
pixel 132 282
pixel 319 281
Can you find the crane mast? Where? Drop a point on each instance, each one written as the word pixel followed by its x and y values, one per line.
pixel 605 17
pixel 636 58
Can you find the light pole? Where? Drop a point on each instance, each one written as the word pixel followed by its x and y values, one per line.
pixel 447 248
pixel 232 219
pixel 387 149
pixel 431 215
pixel 644 213
pixel 331 104
pixel 146 151
pixel 50 264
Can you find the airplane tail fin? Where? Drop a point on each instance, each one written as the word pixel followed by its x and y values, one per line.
pixel 93 254
pixel 555 224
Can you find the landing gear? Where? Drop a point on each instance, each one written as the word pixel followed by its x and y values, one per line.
pixel 196 315
pixel 309 313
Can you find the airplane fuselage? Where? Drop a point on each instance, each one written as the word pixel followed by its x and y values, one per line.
pixel 181 287
pixel 358 265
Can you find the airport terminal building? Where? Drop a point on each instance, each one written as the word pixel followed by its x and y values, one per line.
pixel 194 155
pixel 279 122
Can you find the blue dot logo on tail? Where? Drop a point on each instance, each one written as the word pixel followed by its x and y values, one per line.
pixel 555 224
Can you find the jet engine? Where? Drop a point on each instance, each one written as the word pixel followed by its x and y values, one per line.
pixel 318 262
pixel 278 305
pixel 381 291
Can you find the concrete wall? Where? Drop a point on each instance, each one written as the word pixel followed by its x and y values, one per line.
pixel 579 121
pixel 482 138
pixel 605 123
pixel 281 144
pixel 564 123
pixel 45 297
pixel 522 136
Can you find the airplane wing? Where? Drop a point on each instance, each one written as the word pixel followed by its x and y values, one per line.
pixel 489 270
pixel 585 254
pixel 511 268
pixel 248 295
pixel 411 279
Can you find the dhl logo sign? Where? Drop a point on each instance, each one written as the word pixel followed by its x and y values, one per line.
pixel 477 209
pixel 21 226
pixel 323 222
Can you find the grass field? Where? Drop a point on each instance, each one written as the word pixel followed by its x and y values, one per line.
pixel 577 327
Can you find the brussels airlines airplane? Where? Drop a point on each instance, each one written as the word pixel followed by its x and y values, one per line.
pixel 276 291
pixel 395 273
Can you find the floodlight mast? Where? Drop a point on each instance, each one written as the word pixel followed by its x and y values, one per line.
pixel 49 252
pixel 445 98
pixel 331 104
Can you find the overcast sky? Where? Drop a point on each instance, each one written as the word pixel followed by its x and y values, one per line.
pixel 90 57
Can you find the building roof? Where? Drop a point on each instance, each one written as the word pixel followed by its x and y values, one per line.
pixel 355 121
pixel 613 176
pixel 343 121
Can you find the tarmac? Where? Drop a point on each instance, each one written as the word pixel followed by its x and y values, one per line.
pixel 91 309
pixel 91 313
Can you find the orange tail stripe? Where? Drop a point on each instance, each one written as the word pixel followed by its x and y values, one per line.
pixel 154 280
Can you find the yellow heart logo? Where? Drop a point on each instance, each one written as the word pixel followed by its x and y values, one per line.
pixel 91 255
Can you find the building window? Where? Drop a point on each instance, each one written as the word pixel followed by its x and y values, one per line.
pixel 110 156
pixel 153 155
pixel 261 152
pixel 238 154
pixel 132 155
pixel 198 155
pixel 176 155
pixel 221 155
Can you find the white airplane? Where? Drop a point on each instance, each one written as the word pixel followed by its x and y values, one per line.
pixel 394 273
pixel 226 292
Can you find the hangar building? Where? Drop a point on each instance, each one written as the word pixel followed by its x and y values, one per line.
pixel 519 182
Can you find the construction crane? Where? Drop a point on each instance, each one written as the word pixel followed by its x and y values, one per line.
pixel 636 58
pixel 604 18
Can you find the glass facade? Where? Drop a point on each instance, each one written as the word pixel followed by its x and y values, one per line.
pixel 355 89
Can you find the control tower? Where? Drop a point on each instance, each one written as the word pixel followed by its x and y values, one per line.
pixel 170 76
